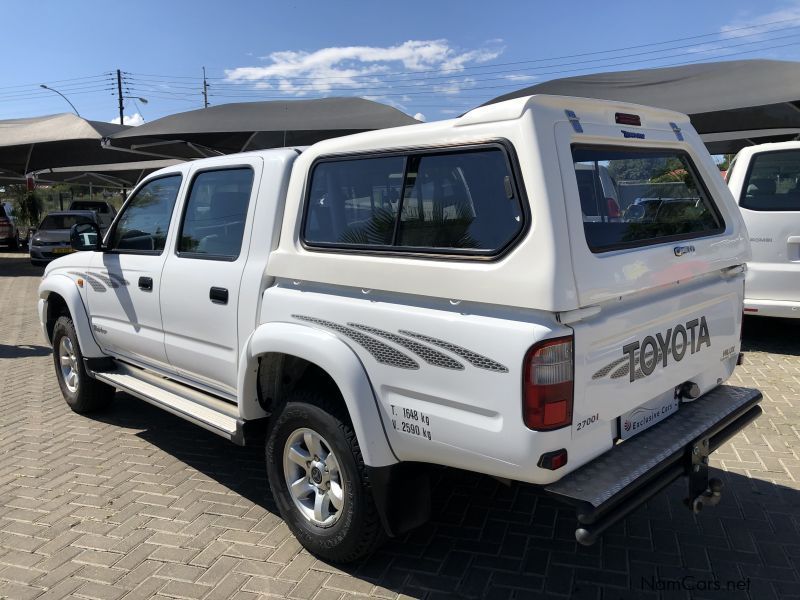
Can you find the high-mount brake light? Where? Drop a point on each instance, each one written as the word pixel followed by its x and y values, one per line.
pixel 627 119
pixel 548 384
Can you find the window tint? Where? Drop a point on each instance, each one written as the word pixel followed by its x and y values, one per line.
pixel 145 219
pixel 773 182
pixel 459 200
pixel 51 222
pixel 452 202
pixel 213 221
pixel 98 207
pixel 634 197
pixel 354 202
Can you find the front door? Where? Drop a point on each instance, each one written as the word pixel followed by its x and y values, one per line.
pixel 201 278
pixel 125 280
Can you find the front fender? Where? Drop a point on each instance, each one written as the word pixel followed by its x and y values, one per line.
pixel 66 287
pixel 331 354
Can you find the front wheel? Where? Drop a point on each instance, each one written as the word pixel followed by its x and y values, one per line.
pixel 83 394
pixel 319 480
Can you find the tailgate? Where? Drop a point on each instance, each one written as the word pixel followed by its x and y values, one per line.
pixel 657 244
pixel 642 349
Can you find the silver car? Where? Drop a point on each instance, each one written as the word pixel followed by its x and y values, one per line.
pixel 51 239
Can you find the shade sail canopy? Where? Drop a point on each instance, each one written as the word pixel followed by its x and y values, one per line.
pixel 61 140
pixel 236 127
pixel 119 175
pixel 732 104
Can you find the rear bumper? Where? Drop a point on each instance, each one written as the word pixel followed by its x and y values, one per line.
pixel 614 484
pixel 772 308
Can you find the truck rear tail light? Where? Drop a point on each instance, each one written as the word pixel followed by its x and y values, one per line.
pixel 627 119
pixel 548 385
pixel 613 208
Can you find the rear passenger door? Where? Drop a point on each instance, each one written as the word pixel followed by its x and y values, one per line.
pixel 202 274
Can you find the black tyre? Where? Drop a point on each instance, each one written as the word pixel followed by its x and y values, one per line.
pixel 83 394
pixel 14 243
pixel 319 480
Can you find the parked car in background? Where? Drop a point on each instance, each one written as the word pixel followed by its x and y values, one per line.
pixel 9 234
pixel 765 180
pixel 105 212
pixel 52 238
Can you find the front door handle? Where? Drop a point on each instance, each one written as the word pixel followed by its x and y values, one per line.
pixel 146 284
pixel 218 295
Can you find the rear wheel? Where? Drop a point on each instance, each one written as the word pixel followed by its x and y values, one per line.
pixel 83 394
pixel 319 479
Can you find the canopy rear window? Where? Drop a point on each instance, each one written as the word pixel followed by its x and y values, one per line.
pixel 773 182
pixel 634 197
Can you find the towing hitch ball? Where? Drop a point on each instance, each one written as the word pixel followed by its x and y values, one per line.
pixel 710 497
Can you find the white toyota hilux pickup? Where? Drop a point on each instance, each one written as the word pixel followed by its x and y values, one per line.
pixel 468 293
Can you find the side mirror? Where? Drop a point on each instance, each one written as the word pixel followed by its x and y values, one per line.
pixel 85 236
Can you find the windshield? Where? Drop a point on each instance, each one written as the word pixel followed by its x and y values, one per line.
pixel 636 197
pixel 773 182
pixel 63 221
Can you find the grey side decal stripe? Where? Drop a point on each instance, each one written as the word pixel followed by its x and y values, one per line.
pixel 383 353
pixel 475 359
pixel 429 355
pixel 96 284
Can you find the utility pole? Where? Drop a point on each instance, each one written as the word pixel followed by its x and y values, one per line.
pixel 119 94
pixel 205 89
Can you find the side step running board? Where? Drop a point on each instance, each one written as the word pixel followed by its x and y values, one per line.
pixel 205 410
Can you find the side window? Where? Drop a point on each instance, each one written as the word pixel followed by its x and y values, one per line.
pixel 460 200
pixel 773 182
pixel 215 214
pixel 144 222
pixel 452 202
pixel 354 202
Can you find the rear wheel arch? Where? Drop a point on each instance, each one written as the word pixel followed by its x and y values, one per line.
pixel 319 360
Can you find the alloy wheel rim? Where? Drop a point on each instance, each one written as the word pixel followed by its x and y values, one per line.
pixel 68 361
pixel 313 477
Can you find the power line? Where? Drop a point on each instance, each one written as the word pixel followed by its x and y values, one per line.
pixel 538 60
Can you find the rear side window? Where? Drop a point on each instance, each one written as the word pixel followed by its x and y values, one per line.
pixel 638 197
pixel 215 214
pixel 773 182
pixel 455 202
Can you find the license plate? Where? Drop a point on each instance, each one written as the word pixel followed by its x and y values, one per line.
pixel 647 415
pixel 62 250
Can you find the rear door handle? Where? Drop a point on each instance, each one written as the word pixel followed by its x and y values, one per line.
pixel 218 295
pixel 146 283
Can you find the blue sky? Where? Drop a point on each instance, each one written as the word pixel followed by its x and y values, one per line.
pixel 433 58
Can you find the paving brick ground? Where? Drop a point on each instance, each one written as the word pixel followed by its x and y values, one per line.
pixel 136 503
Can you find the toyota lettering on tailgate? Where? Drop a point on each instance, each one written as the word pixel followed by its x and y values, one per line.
pixel 674 342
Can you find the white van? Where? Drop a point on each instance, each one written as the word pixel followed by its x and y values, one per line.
pixel 765 180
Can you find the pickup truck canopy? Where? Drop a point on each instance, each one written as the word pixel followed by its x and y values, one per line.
pixel 732 104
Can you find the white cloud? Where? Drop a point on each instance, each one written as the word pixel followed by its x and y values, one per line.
pixel 516 78
pixel 134 119
pixel 420 117
pixel 299 72
pixel 746 23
